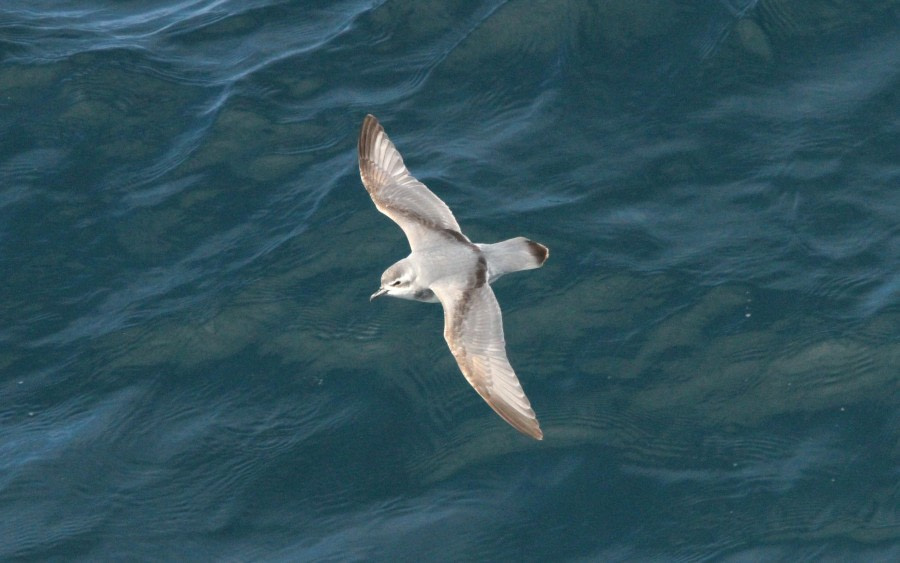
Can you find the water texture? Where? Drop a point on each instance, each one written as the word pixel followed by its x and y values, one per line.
pixel 190 368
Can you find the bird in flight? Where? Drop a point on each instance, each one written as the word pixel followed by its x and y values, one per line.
pixel 445 266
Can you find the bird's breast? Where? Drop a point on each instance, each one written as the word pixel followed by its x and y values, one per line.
pixel 425 295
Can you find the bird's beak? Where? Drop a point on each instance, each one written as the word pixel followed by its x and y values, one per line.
pixel 381 291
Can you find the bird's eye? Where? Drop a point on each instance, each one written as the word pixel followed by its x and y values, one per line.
pixel 395 283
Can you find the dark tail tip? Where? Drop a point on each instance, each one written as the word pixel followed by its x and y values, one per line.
pixel 539 251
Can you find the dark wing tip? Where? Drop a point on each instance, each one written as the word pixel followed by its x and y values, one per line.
pixel 539 251
pixel 528 426
pixel 367 135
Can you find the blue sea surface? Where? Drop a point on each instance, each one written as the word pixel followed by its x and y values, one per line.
pixel 190 367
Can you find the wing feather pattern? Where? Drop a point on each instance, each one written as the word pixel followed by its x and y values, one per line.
pixel 473 329
pixel 424 218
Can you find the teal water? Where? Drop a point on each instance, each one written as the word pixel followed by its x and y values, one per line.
pixel 190 368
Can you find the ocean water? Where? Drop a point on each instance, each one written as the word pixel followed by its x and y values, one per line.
pixel 190 368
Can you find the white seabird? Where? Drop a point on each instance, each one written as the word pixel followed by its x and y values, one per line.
pixel 446 266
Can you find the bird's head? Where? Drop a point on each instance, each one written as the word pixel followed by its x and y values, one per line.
pixel 397 281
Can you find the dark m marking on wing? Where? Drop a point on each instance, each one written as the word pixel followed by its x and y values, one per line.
pixel 481 271
pixel 456 235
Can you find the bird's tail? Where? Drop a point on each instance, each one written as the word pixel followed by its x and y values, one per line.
pixel 513 255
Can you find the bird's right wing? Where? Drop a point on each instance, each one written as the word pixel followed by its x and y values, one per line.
pixel 473 328
pixel 424 218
